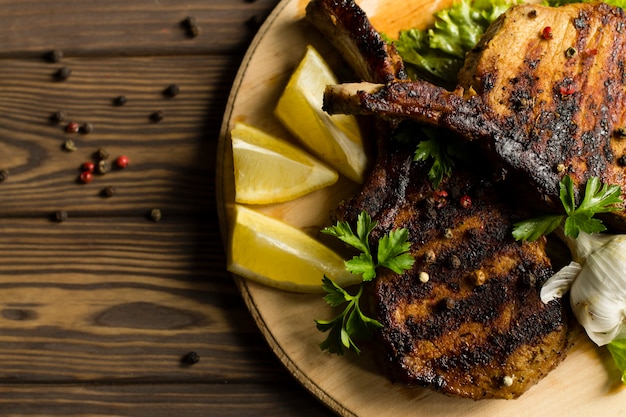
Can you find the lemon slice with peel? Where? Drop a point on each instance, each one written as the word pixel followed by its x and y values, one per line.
pixel 271 170
pixel 271 252
pixel 335 139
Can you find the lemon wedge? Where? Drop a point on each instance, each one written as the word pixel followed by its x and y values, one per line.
pixel 335 139
pixel 271 170
pixel 276 254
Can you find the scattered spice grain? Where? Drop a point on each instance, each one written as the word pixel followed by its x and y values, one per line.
pixel 86 128
pixel 191 358
pixel 119 101
pixel 108 191
pixel 63 73
pixel 85 177
pixel 172 90
pixel 72 127
pixel 69 145
pixel 58 117
pixel 122 161
pixel 191 26
pixel 157 116
pixel 4 174
pixel 620 132
pixel 88 166
pixel 60 216
pixel 156 215
pixel 102 154
pixel 54 56
pixel 103 166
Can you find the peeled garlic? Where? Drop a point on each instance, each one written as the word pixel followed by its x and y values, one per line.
pixel 596 279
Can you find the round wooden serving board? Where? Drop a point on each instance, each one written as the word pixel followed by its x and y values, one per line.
pixel 585 384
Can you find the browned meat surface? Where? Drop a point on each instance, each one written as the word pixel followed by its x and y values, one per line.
pixel 453 333
pixel 351 33
pixel 541 107
pixel 477 327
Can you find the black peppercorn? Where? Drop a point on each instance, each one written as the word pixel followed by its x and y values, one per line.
pixel 172 90
pixel 86 128
pixel 102 154
pixel 4 174
pixel 620 132
pixel 63 74
pixel 119 101
pixel 108 191
pixel 58 117
pixel 54 56
pixel 157 116
pixel 60 216
pixel 622 160
pixel 191 27
pixel 191 358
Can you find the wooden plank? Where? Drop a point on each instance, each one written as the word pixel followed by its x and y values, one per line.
pixel 161 400
pixel 172 162
pixel 122 299
pixel 120 27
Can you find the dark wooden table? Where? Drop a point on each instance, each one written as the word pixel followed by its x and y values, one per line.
pixel 97 310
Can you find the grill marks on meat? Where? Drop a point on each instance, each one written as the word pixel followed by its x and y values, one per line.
pixel 454 333
pixel 448 333
pixel 542 107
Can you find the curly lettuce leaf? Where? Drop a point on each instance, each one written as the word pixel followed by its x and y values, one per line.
pixel 438 52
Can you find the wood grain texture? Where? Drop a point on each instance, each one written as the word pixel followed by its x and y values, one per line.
pixel 97 311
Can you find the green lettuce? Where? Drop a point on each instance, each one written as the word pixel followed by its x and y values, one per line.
pixel 438 52
pixel 618 351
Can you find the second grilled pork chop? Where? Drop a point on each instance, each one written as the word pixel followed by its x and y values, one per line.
pixel 476 328
pixel 544 92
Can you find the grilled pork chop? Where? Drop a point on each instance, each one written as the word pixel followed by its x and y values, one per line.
pixel 467 320
pixel 476 328
pixel 543 102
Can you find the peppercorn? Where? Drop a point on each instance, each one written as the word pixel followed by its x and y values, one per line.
pixel 4 174
pixel 191 26
pixel 60 216
pixel 571 52
pixel 108 191
pixel 478 277
pixel 567 90
pixel 532 14
pixel 172 90
pixel 465 201
pixel 155 215
pixel 430 257
pixel 85 177
pixel 54 56
pixel 424 277
pixel 191 358
pixel 102 154
pixel 507 381
pixel 157 116
pixel 454 262
pixel 546 33
pixel 448 234
pixel 86 128
pixel 72 127
pixel 119 101
pixel 63 74
pixel 88 166
pixel 69 145
pixel 622 160
pixel 103 166
pixel 58 117
pixel 122 161
pixel 448 303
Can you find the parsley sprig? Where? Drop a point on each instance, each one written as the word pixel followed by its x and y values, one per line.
pixel 598 198
pixel 392 252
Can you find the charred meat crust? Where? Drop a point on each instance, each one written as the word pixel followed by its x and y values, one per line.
pixel 478 318
pixel 347 27
pixel 547 108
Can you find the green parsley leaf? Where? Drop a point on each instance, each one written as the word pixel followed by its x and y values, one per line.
pixel 598 198
pixel 618 351
pixel 442 163
pixel 348 326
pixel 352 324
